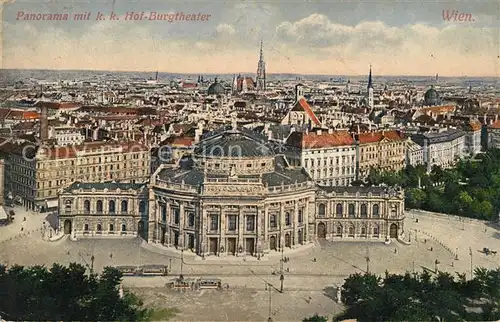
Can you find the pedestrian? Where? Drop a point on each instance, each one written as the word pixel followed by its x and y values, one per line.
pixel 432 249
pixel 111 255
pixel 22 228
pixel 395 250
pixel 314 260
pixel 24 219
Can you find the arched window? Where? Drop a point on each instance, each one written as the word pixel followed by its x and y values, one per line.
pixel 375 211
pixel 351 210
pixel 86 227
pixel 351 230
pixel 339 230
pixel 142 207
pixel 124 227
pixel 363 231
pixel 99 227
pixel 287 219
pixel 321 210
pixel 99 206
pixel 376 231
pixel 112 207
pixel 86 206
pixel 364 211
pixel 111 227
pixel 339 209
pixel 124 206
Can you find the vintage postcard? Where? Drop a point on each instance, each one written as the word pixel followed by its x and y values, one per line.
pixel 256 160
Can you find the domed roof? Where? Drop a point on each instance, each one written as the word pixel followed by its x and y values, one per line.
pixel 216 89
pixel 431 97
pixel 233 144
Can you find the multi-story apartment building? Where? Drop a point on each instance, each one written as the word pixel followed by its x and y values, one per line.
pixel 36 174
pixel 329 157
pixel 414 154
pixel 472 143
pixel 441 148
pixel 104 209
pixel 493 131
pixel 384 150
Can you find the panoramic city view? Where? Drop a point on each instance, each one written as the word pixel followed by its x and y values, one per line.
pixel 249 161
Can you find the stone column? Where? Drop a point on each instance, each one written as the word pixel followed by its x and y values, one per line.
pixel 295 223
pixel 241 227
pixel 182 221
pixel 282 225
pixel 265 244
pixel 203 239
pixel 222 234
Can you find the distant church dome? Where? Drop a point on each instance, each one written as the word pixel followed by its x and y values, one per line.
pixel 431 97
pixel 216 89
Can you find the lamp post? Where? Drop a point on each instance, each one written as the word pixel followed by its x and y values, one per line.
pixel 170 265
pixel 270 319
pixel 182 261
pixel 367 260
pixel 282 277
pixel 471 265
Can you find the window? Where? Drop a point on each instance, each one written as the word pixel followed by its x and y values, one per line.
pixel 191 219
pixel 351 210
pixel 124 227
pixel 301 214
pixel 142 207
pixel 86 227
pixel 231 222
pixel 375 211
pixel 375 231
pixel 339 209
pixel 177 216
pixel 250 223
pixel 111 227
pixel 339 230
pixel 163 210
pixel 124 206
pixel 288 220
pixel 321 210
pixel 364 211
pixel 272 221
pixel 112 207
pixel 99 227
pixel 86 206
pixel 99 206
pixel 351 230
pixel 214 222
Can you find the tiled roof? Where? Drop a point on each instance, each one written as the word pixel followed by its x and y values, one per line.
pixel 495 125
pixel 313 140
pixel 302 105
pixel 179 141
pixel 438 109
pixel 68 152
pixel 374 137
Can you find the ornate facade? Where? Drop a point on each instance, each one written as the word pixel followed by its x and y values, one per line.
pixel 233 196
pixel 251 202
pixel 107 209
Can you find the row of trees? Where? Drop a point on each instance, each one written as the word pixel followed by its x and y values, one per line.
pixel 66 294
pixel 471 188
pixel 420 297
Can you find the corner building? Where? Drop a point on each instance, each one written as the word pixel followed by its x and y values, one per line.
pixel 235 196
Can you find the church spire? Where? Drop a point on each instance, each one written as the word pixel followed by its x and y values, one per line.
pixel 261 70
pixel 370 84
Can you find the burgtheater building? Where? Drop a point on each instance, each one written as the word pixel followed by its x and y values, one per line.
pixel 235 196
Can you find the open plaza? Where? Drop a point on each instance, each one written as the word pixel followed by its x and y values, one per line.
pixel 311 274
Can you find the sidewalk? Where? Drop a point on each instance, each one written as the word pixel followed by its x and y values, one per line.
pixel 192 259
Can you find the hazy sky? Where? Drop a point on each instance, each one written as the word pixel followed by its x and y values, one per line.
pixel 313 37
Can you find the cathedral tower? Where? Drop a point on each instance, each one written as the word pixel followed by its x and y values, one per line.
pixel 370 89
pixel 261 71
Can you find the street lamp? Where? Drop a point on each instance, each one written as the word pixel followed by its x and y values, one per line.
pixel 270 319
pixel 471 265
pixel 170 265
pixel 282 277
pixel 182 261
pixel 367 260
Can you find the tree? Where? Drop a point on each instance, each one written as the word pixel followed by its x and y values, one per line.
pixel 422 297
pixel 66 293
pixel 316 318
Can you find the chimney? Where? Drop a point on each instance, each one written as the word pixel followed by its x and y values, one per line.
pixel 318 132
pixel 330 131
pixel 44 123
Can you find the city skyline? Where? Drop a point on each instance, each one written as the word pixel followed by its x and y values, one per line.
pixel 305 39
